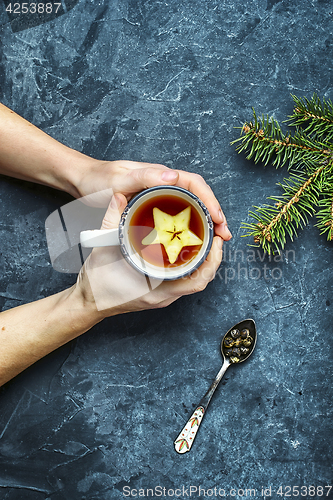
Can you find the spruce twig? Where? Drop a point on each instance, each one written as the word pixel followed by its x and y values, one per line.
pixel 290 212
pixel 309 189
pixel 270 144
pixel 317 116
pixel 325 212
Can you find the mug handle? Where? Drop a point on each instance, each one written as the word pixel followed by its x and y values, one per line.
pixel 99 238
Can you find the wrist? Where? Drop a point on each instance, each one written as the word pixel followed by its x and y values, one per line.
pixel 81 312
pixel 70 168
pixel 83 175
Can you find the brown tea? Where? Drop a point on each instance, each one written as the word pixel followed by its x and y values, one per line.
pixel 142 223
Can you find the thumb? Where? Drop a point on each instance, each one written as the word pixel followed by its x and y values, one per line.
pixel 116 207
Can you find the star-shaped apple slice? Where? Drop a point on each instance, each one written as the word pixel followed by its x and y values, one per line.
pixel 173 232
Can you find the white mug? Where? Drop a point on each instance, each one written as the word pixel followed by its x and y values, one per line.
pixel 122 236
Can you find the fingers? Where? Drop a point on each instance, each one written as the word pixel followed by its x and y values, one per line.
pixel 116 207
pixel 206 272
pixel 144 178
pixel 153 176
pixel 202 276
pixel 197 185
pixel 136 165
pixel 133 177
pixel 223 231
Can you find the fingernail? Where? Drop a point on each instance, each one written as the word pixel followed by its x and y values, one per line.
pixel 169 175
pixel 219 243
pixel 221 215
pixel 225 225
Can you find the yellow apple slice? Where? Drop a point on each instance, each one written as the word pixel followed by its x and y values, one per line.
pixel 173 232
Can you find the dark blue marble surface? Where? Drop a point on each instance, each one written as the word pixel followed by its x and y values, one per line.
pixel 167 82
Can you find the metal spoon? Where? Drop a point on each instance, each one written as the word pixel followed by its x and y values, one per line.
pixel 184 441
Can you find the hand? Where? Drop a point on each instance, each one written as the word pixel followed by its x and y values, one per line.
pixel 129 178
pixel 40 158
pixel 108 285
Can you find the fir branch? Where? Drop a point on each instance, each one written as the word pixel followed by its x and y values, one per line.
pixel 325 212
pixel 309 152
pixel 289 213
pixel 264 141
pixel 317 115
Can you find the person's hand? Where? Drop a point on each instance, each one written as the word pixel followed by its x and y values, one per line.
pixel 108 285
pixel 129 178
pixel 40 158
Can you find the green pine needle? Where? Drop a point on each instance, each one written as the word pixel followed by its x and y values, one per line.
pixel 325 212
pixel 308 154
pixel 314 116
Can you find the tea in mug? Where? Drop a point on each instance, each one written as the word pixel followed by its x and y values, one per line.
pixel 150 215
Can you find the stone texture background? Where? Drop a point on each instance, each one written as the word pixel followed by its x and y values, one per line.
pixel 168 82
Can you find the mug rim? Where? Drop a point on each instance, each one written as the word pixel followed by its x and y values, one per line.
pixel 121 229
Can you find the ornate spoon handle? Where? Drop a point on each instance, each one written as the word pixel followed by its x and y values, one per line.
pixel 184 441
pixel 186 437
